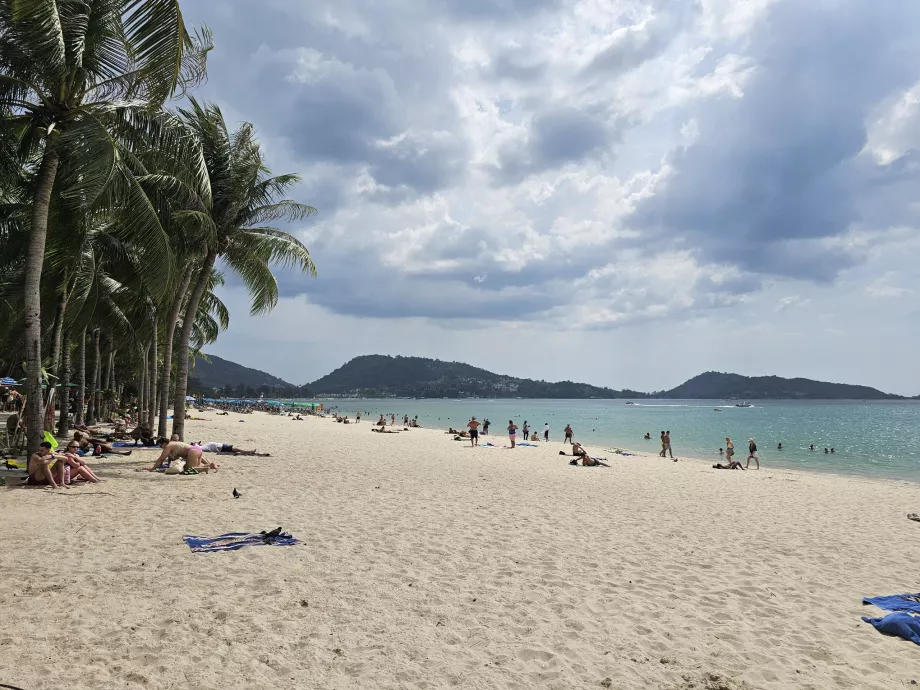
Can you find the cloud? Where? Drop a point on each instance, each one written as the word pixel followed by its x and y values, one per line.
pixel 597 165
pixel 884 289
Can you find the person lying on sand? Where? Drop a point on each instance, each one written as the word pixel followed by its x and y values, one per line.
pixel 382 430
pixel 733 465
pixel 228 449
pixel 586 460
pixel 89 444
pixel 223 414
pixel 43 466
pixel 192 454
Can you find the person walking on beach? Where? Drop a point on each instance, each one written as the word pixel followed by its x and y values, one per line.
pixel 729 449
pixel 752 454
pixel 546 432
pixel 358 417
pixel 667 444
pixel 568 434
pixel 512 431
pixel 474 432
pixel 661 454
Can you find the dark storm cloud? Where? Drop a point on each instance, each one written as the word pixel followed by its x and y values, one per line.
pixel 558 135
pixel 774 173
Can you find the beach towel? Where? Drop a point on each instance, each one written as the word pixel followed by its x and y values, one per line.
pixel 237 540
pixel 896 602
pixel 900 624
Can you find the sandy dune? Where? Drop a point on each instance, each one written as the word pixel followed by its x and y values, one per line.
pixel 427 564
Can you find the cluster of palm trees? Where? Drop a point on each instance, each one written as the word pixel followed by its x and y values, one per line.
pixel 117 212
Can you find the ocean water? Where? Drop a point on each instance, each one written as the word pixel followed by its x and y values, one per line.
pixel 873 439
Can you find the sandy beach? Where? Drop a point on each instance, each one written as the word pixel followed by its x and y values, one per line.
pixel 428 564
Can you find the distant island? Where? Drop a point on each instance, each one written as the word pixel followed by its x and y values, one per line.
pixel 382 376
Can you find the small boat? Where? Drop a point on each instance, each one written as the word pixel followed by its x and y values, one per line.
pixel 717 409
pixel 630 403
pixel 743 404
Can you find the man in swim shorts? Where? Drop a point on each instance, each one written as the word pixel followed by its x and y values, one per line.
pixel 474 432
pixel 42 467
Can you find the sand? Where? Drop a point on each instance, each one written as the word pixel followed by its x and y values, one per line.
pixel 427 564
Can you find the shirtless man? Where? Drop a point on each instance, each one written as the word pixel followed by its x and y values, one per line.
pixel 191 454
pixel 568 434
pixel 586 460
pixel 42 467
pixel 474 432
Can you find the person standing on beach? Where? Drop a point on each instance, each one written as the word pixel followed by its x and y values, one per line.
pixel 667 444
pixel 512 431
pixel 729 448
pixel 546 432
pixel 474 432
pixel 661 454
pixel 568 434
pixel 358 417
pixel 485 427
pixel 752 454
pixel 526 429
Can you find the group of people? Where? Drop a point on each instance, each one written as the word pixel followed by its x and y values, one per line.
pixel 59 469
pixel 730 454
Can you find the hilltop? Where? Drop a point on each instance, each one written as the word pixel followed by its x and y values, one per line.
pixel 417 377
pixel 715 385
pixel 230 378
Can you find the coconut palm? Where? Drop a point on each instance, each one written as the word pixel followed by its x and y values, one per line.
pixel 78 78
pixel 234 226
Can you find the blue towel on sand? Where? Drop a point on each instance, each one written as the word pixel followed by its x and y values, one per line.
pixel 233 541
pixel 527 445
pixel 896 602
pixel 900 624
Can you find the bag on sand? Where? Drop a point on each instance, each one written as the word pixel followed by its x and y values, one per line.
pixel 176 466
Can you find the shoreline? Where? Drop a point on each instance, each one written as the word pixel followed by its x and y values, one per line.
pixel 427 564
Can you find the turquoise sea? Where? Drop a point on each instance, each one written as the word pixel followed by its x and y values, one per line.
pixel 874 439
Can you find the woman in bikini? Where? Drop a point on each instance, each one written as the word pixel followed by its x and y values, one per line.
pixel 192 454
pixel 512 431
pixel 77 465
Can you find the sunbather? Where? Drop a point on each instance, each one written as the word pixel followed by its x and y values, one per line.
pixel 586 460
pixel 43 466
pixel 227 449
pixel 193 456
pixel 88 444
pixel 78 466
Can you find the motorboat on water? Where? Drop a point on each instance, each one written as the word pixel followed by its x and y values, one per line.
pixel 717 409
pixel 743 404
pixel 629 402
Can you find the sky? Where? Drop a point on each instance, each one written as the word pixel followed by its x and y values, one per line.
pixel 623 193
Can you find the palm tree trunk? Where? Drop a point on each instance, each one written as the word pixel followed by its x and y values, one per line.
pixel 185 335
pixel 152 377
pixel 92 410
pixel 97 367
pixel 58 329
pixel 35 257
pixel 64 383
pixel 168 348
pixel 142 389
pixel 81 379
pixel 111 372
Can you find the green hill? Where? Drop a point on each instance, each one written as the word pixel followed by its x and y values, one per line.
pixel 231 378
pixel 714 385
pixel 417 377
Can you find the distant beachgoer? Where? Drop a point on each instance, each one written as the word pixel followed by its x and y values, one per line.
pixel 733 465
pixel 779 446
pixel 721 452
pixel 485 426
pixel 533 436
pixel 729 448
pixel 661 454
pixel 546 432
pixel 512 431
pixel 221 447
pixel 832 450
pixel 752 454
pixel 811 447
pixel 526 429
pixel 825 450
pixel 648 436
pixel 568 433
pixel 667 444
pixel 358 417
pixel 474 432
pixel 383 422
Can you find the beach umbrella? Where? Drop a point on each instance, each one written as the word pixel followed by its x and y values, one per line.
pixel 7 381
pixel 189 398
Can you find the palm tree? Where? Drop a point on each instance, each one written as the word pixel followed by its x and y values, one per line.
pixel 75 78
pixel 233 222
